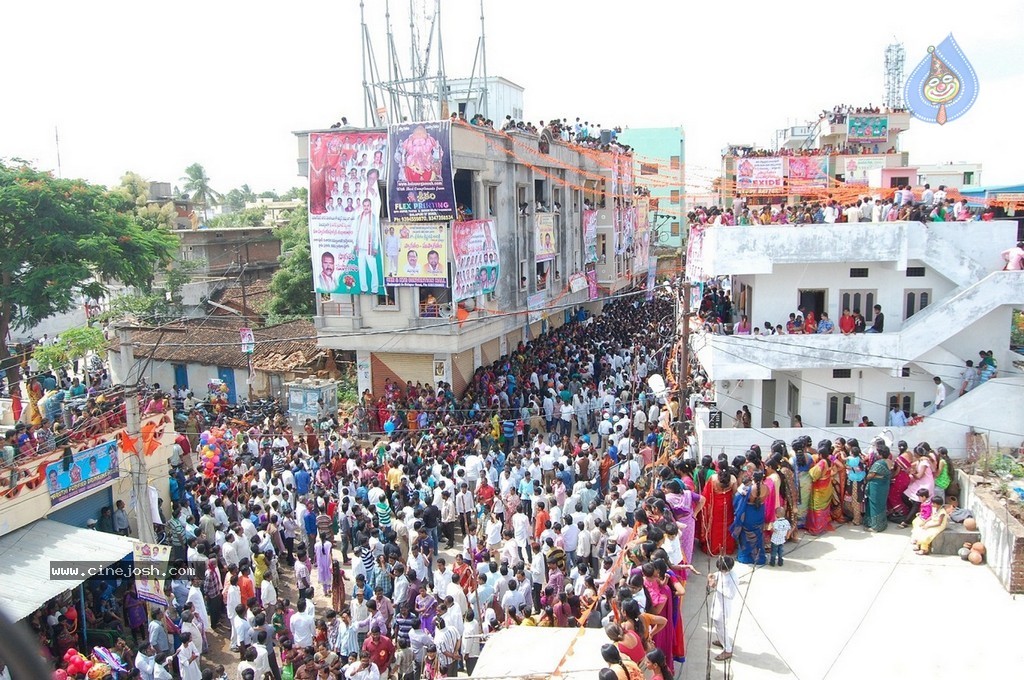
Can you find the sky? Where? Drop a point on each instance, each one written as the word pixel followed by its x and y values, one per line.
pixel 154 87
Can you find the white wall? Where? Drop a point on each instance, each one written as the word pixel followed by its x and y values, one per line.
pixel 776 295
pixel 1003 423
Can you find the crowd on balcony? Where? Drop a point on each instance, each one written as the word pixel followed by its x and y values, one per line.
pixel 580 133
pixel 840 112
pixel 851 149
pixel 904 206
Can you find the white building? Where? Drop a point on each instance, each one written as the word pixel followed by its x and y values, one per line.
pixel 953 175
pixel 943 297
pixel 495 97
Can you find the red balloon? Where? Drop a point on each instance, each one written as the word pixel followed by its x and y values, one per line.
pixel 60 674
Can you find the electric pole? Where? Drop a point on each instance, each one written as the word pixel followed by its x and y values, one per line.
pixel 133 425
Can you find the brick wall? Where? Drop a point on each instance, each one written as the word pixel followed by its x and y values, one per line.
pixel 1001 533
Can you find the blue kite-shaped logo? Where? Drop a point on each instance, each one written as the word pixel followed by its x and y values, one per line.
pixel 943 86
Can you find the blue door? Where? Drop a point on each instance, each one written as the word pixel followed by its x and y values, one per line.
pixel 181 375
pixel 227 376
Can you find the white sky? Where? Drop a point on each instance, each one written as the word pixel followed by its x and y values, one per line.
pixel 153 87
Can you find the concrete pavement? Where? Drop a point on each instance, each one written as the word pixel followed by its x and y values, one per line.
pixel 852 604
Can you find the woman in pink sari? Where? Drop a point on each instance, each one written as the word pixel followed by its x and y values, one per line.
pixel 663 600
pixel 685 506
pixel 900 481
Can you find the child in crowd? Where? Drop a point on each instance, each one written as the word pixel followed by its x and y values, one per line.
pixel 780 530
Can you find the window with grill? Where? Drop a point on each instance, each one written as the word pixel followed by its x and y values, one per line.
pixel 841 373
pixel 863 300
pixel 915 271
pixel 858 272
pixel 915 300
pixel 837 403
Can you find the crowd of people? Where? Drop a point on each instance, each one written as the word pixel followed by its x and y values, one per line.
pixel 905 205
pixel 391 540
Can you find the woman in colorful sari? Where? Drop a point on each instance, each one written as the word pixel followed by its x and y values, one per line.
pixel 718 513
pixel 802 462
pixel 426 607
pixel 877 490
pixel 749 506
pixel 925 530
pixel 685 506
pixel 837 461
pixel 818 513
pixel 901 466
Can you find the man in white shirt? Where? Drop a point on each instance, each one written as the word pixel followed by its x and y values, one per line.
pixel 940 196
pixel 830 214
pixel 302 626
pixel 852 213
pixel 144 660
pixel 442 579
pixel 940 393
pixel 928 196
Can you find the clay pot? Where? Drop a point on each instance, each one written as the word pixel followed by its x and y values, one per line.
pixel 975 557
pixel 971 524
pixel 968 545
pixel 978 547
pixel 963 553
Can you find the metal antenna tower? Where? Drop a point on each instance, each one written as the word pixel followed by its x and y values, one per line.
pixel 415 88
pixel 895 56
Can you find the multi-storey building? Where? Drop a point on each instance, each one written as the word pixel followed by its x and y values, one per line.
pixel 839 150
pixel 514 179
pixel 944 299
pixel 660 155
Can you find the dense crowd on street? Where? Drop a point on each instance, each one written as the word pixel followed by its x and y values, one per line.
pixel 392 540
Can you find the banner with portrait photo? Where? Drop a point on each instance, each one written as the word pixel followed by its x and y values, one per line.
pixel 155 557
pixel 855 169
pixel 345 169
pixel 476 258
pixel 82 471
pixel 807 172
pixel 869 129
pixel 760 175
pixel 590 236
pixel 416 254
pixel 544 236
pixel 421 186
pixel 536 305
pixel 591 272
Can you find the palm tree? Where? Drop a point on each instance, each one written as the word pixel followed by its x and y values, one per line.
pixel 197 184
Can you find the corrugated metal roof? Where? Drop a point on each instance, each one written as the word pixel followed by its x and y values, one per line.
pixel 25 557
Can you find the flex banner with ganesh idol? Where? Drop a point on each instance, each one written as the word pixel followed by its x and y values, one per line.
pixel 416 254
pixel 421 185
pixel 760 175
pixel 475 254
pixel 344 211
pixel 807 172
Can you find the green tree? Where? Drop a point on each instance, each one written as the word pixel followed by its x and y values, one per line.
pixel 295 192
pixel 236 199
pixel 252 217
pixel 135 190
pixel 197 185
pixel 60 240
pixel 291 288
pixel 73 344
